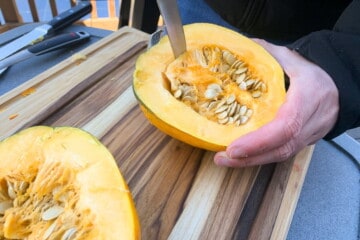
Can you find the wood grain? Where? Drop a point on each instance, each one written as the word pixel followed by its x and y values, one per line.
pixel 60 84
pixel 178 190
pixel 280 200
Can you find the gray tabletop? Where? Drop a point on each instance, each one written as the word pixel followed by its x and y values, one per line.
pixel 23 71
pixel 329 204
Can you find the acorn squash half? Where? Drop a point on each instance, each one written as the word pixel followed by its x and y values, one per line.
pixel 224 86
pixel 62 183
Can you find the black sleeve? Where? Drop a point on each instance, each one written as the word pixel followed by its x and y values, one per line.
pixel 337 52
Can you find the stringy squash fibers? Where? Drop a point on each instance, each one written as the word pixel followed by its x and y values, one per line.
pixel 62 183
pixel 224 86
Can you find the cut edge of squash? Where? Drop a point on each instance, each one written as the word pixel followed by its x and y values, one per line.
pixel 180 121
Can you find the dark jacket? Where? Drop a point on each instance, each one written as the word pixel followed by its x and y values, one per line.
pixel 322 31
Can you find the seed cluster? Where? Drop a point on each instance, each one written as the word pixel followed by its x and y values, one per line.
pixel 227 110
pixel 41 206
pixel 214 101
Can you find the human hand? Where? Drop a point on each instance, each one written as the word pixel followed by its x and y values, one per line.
pixel 308 114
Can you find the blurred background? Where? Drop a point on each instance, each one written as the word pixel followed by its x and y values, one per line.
pixel 44 10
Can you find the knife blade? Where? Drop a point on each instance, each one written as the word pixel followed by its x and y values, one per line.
pixel 62 20
pixel 51 44
pixel 170 12
pixel 155 37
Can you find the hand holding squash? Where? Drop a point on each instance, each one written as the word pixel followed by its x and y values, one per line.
pixel 224 86
pixel 308 114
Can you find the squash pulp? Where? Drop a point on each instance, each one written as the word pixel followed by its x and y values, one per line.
pixel 62 183
pixel 224 86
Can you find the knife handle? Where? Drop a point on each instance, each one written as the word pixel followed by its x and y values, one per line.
pixel 57 42
pixel 68 17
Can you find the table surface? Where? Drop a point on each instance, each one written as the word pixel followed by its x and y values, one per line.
pixel 328 207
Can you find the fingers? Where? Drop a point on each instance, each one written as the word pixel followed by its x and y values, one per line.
pixel 267 143
pixel 286 126
pixel 309 112
pixel 260 141
pixel 292 129
pixel 280 154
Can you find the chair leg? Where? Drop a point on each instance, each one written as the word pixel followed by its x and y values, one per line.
pixel 147 20
pixel 151 16
pixel 10 11
pixel 124 15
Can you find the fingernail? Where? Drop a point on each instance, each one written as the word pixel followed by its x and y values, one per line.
pixel 237 153
pixel 221 159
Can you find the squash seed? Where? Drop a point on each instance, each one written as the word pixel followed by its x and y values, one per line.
pixel 221 103
pixel 249 113
pixel 200 58
pixel 230 99
pixel 52 213
pixel 215 87
pixel 236 117
pixel 224 67
pixel 211 93
pixel 243 110
pixel 189 98
pixel 228 69
pixel 257 84
pixel 221 109
pixel 237 64
pixel 49 230
pixel 222 115
pixel 230 120
pixel 69 233
pixel 240 78
pixel 178 93
pixel 243 119
pixel 11 190
pixel 241 70
pixel 228 57
pixel 212 105
pixel 243 85
pixel 187 90
pixel 223 121
pixel 23 186
pixel 256 94
pixel 205 105
pixel 249 83
pixel 232 108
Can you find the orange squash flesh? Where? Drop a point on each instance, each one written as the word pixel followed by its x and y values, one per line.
pixel 42 167
pixel 178 119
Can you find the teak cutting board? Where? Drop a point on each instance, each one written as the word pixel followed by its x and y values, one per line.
pixel 178 190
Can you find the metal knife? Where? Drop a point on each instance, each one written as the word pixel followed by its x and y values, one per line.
pixel 60 21
pixel 51 44
pixel 170 12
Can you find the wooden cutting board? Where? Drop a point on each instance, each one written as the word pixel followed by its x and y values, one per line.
pixel 179 192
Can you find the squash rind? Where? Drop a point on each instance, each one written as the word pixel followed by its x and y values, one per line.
pixel 103 191
pixel 180 121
